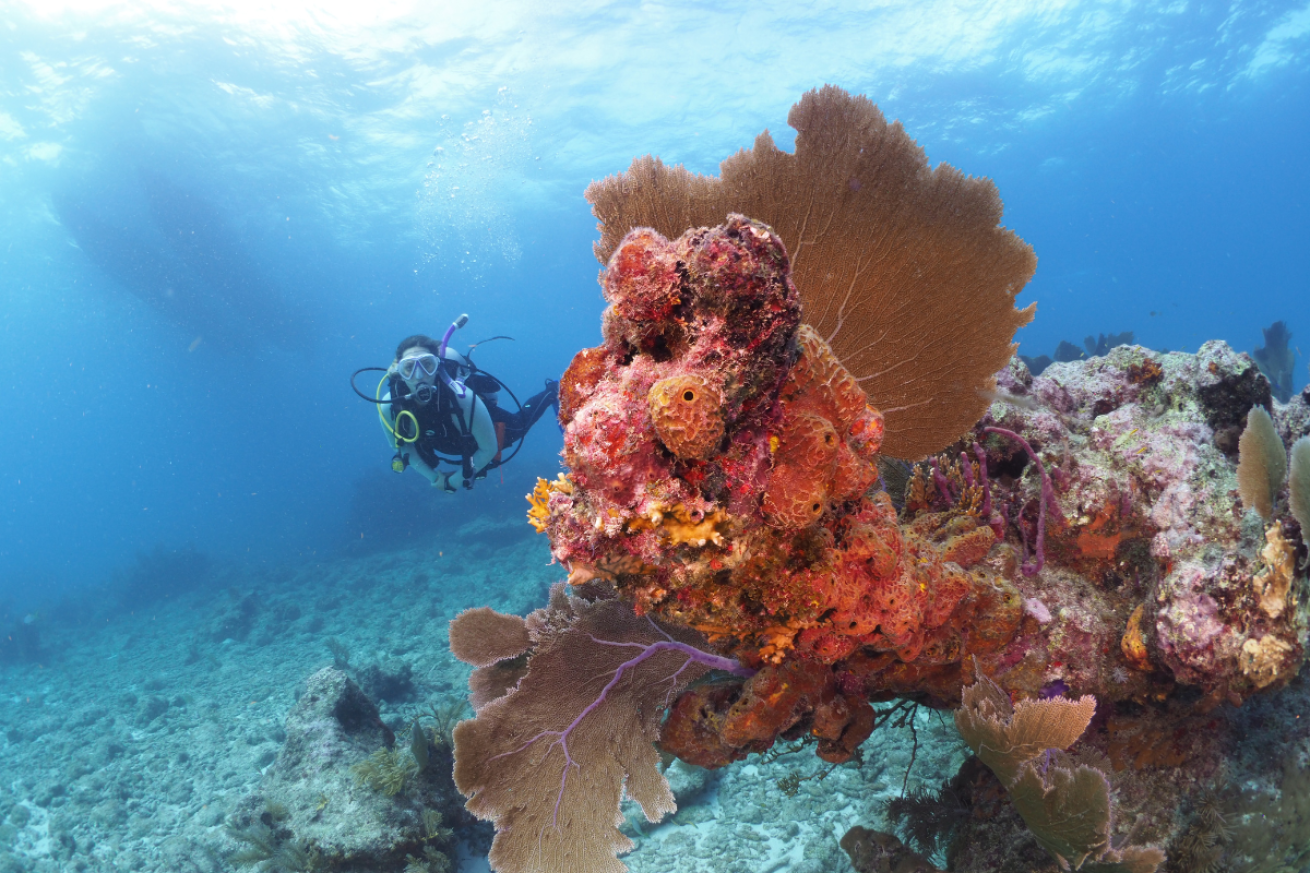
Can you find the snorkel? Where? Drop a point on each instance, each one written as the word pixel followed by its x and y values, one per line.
pixel 453 384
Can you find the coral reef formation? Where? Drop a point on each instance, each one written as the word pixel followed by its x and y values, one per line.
pixel 721 480
pixel 736 502
pixel 1146 494
pixel 723 511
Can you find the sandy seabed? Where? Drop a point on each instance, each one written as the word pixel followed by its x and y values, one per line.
pixel 136 736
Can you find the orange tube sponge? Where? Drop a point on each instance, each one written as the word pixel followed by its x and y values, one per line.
pixel 687 412
pixel 828 388
pixel 827 441
pixel 805 461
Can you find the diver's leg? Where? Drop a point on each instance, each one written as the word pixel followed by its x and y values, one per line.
pixel 533 408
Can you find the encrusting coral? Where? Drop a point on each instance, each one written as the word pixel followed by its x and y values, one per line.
pixel 896 262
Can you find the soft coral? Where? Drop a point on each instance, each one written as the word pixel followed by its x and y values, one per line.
pixel 550 759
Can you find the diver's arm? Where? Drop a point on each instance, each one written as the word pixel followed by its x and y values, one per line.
pixel 484 431
pixel 424 470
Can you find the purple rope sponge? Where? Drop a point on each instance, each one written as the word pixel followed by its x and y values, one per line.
pixel 943 486
pixel 1047 498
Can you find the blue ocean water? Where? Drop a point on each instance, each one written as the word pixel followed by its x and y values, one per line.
pixel 212 215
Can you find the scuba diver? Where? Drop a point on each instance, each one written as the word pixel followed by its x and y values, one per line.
pixel 439 408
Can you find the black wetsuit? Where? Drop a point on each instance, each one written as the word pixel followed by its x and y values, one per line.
pixel 517 424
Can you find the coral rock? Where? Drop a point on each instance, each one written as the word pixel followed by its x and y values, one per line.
pixel 644 288
pixel 1266 660
pixel 1156 576
pixel 722 473
pixel 877 852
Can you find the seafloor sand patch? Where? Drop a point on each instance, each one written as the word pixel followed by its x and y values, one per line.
pixel 131 743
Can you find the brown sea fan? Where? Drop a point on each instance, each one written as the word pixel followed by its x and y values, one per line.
pixel 549 759
pixel 1298 489
pixel 1066 803
pixel 902 268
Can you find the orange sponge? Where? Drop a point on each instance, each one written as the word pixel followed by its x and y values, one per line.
pixel 687 411
pixel 828 388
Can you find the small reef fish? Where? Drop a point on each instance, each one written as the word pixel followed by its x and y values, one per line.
pixel 999 396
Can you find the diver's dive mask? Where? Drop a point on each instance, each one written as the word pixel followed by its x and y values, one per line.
pixel 413 367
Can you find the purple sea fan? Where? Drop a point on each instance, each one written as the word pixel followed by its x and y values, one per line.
pixel 549 760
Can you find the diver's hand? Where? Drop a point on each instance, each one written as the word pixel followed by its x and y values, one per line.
pixel 442 481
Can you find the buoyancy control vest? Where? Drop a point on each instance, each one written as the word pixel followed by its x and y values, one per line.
pixel 444 431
